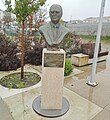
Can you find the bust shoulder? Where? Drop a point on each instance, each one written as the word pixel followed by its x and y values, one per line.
pixel 44 27
pixel 47 27
pixel 64 29
pixel 53 34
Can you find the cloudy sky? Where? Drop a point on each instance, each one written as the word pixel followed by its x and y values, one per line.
pixel 77 9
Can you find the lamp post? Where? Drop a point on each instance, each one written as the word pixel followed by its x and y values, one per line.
pixel 92 81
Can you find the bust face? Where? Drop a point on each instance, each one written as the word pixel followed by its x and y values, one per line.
pixel 55 13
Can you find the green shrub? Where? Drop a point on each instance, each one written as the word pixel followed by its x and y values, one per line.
pixel 68 68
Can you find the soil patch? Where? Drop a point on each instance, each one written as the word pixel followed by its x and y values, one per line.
pixel 14 80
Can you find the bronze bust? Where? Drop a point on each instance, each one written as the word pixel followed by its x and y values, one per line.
pixel 53 31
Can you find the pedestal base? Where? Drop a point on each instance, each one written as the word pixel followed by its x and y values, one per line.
pixel 50 112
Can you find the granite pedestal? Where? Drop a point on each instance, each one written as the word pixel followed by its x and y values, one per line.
pixel 51 103
pixel 52 79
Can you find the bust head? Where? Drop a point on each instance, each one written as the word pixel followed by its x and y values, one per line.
pixel 55 13
pixel 53 32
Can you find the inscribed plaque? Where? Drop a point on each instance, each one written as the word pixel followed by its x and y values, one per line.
pixel 53 60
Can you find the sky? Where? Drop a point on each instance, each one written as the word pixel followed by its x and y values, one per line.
pixel 77 9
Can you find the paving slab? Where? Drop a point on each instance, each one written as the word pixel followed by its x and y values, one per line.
pixel 88 69
pixel 108 107
pixel 38 68
pixel 80 108
pixel 99 95
pixel 103 115
pixel 5 113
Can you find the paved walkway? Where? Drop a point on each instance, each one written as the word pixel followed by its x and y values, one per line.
pixel 100 95
pixel 86 102
pixel 4 111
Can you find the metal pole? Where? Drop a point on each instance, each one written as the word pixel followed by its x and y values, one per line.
pixel 92 79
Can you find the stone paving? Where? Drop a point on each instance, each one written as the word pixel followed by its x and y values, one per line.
pixel 100 95
pixel 5 113
pixel 86 102
pixel 21 106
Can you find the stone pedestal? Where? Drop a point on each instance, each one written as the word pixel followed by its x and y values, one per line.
pixel 52 79
pixel 79 59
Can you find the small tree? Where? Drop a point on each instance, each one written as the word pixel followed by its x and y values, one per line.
pixel 23 9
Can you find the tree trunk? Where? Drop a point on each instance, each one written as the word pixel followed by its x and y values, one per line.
pixel 22 51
